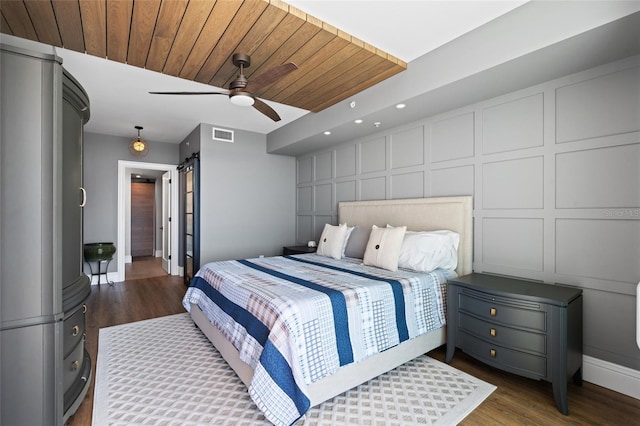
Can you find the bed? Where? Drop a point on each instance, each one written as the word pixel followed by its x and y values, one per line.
pixel 427 214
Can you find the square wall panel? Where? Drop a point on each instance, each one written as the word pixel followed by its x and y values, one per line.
pixel 452 181
pixel 407 148
pixel 513 184
pixel 305 170
pixel 373 156
pixel 599 178
pixel 602 106
pixel 373 188
pixel 513 242
pixel 304 230
pixel 324 197
pixel 324 166
pixel 305 198
pixel 409 185
pixel 346 161
pixel 452 138
pixel 346 191
pixel 513 125
pixel 604 249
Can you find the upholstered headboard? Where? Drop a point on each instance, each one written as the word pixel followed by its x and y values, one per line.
pixel 418 214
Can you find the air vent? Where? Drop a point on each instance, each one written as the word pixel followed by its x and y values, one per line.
pixel 222 135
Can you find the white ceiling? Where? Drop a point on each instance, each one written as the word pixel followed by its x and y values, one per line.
pixel 406 29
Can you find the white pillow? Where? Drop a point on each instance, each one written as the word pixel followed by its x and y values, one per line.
pixel 346 239
pixel 383 247
pixel 426 251
pixel 332 241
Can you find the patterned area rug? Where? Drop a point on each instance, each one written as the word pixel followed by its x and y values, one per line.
pixel 164 371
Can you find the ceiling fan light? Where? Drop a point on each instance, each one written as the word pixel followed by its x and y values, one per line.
pixel 242 99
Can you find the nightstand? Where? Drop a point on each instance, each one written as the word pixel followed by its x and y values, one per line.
pixel 523 327
pixel 288 250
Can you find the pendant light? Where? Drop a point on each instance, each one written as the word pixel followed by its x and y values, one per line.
pixel 138 147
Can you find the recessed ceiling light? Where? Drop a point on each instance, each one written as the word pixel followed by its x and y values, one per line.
pixel 358 121
pixel 377 124
pixel 400 106
pixel 327 133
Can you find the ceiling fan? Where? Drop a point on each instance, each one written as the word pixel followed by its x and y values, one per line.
pixel 241 89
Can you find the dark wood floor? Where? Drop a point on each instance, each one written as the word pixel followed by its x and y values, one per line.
pixel 517 401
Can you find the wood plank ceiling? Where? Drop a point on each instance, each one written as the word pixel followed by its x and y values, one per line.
pixel 196 39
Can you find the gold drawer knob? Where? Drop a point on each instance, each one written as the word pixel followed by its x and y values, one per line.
pixel 492 332
pixel 75 330
pixel 492 352
pixel 75 365
pixel 493 312
pixel 84 309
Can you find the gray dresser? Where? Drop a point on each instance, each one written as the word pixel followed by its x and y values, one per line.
pixel 524 327
pixel 45 369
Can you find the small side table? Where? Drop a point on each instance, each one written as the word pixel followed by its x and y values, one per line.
pixel 99 274
pixel 289 250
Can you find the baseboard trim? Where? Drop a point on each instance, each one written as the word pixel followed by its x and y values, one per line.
pixel 158 253
pixel 611 376
pixel 128 259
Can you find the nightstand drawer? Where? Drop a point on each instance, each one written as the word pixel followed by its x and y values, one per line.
pixel 522 363
pixel 519 314
pixel 505 336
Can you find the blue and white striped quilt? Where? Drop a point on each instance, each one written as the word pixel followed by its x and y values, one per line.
pixel 297 319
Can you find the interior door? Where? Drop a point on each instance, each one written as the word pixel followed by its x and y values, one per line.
pixel 142 219
pixel 166 223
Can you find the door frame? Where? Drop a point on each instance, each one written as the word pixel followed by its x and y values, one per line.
pixel 124 191
pixel 167 226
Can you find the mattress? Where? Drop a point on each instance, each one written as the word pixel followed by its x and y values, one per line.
pixel 297 319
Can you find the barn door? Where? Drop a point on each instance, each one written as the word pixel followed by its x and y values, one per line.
pixel 190 194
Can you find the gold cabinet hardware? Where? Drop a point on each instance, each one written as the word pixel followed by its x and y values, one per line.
pixel 75 365
pixel 492 352
pixel 75 330
pixel 492 332
pixel 493 312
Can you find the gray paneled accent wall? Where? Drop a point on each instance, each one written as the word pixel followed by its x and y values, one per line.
pixel 555 174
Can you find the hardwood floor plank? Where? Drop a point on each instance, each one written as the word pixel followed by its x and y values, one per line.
pixel 516 401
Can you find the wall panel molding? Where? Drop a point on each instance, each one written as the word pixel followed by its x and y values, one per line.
pixel 554 170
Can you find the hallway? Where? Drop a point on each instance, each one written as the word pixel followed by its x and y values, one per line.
pixel 144 267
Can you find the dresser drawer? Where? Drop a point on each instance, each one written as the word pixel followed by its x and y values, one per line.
pixel 504 336
pixel 73 329
pixel 521 363
pixel 505 311
pixel 73 365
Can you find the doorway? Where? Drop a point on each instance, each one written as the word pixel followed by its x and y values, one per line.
pixel 161 255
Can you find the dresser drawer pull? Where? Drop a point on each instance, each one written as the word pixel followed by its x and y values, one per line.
pixel 492 332
pixel 84 309
pixel 75 365
pixel 492 353
pixel 493 312
pixel 75 330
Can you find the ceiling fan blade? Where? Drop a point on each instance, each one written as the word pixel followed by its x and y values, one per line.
pixel 266 109
pixel 189 93
pixel 269 76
